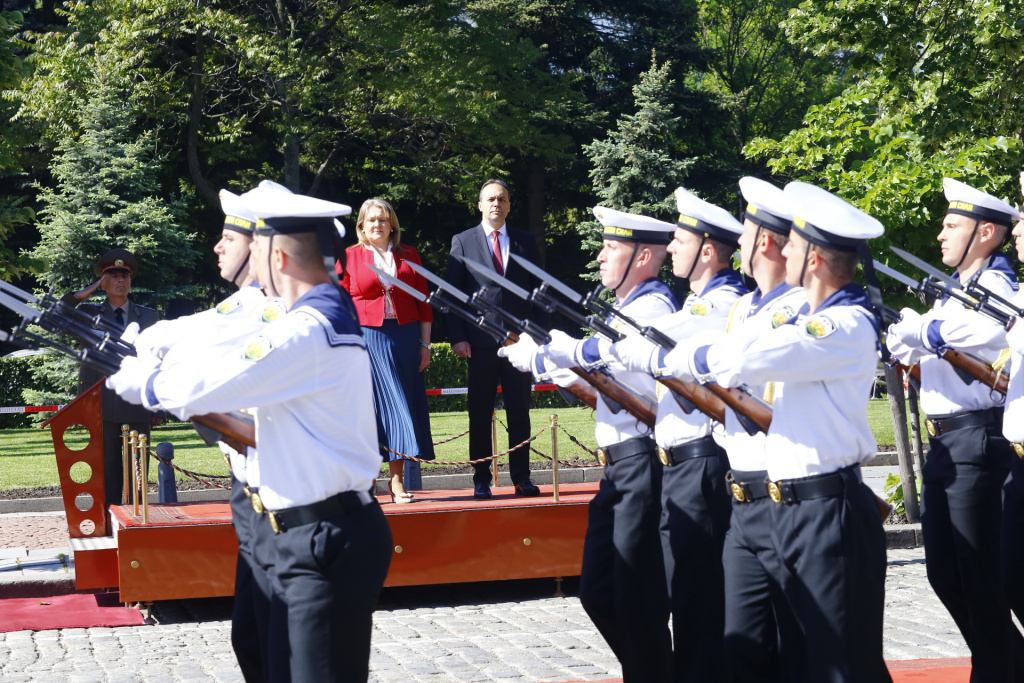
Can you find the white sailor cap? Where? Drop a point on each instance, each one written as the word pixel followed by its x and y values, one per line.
pixel 767 205
pixel 973 203
pixel 631 227
pixel 824 219
pixel 237 216
pixel 285 213
pixel 706 220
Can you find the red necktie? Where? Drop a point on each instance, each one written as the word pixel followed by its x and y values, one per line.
pixel 496 253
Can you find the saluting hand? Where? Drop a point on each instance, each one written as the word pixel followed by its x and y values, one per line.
pixel 85 293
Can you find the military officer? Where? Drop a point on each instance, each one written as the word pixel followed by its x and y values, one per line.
pixel 322 537
pixel 968 457
pixel 622 586
pixel 824 522
pixel 694 498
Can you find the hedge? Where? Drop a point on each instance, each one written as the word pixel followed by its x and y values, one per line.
pixel 446 370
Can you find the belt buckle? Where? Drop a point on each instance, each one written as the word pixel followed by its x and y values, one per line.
pixel 931 427
pixel 775 492
pixel 663 456
pixel 738 493
pixel 247 492
pixel 602 458
pixel 1018 448
pixel 257 502
pixel 273 522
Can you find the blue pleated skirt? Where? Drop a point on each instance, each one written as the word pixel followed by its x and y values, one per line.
pixel 399 393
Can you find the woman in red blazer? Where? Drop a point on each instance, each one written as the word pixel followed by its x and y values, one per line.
pixel 396 328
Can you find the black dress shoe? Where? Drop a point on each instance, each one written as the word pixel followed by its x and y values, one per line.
pixel 482 492
pixel 527 489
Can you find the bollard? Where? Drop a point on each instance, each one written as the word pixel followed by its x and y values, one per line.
pixel 554 454
pixel 413 476
pixel 126 464
pixel 165 473
pixel 494 445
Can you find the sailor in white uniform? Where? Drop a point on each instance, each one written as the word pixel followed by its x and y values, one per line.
pixel 968 458
pixel 322 538
pixel 622 583
pixel 824 522
pixel 694 497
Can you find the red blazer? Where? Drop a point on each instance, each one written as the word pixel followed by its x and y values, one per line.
pixel 368 293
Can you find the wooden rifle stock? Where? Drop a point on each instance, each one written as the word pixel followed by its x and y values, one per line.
pixel 698 395
pixel 741 402
pixel 975 367
pixel 236 433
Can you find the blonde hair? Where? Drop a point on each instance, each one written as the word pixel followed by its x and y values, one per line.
pixel 396 231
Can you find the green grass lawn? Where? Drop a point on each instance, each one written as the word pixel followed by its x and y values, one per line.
pixel 26 455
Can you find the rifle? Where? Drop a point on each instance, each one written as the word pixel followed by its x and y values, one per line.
pixel 449 299
pixel 102 351
pixel 711 399
pixel 968 367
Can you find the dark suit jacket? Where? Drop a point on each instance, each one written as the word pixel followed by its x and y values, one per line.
pixel 472 244
pixel 114 408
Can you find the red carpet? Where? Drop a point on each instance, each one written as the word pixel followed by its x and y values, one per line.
pixel 954 670
pixel 66 611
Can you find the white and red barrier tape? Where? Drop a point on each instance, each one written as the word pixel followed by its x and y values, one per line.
pixel 430 392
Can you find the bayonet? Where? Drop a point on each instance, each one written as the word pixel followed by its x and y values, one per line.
pixel 926 267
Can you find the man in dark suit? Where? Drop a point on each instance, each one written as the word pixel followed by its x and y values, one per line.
pixel 115 269
pixel 490 243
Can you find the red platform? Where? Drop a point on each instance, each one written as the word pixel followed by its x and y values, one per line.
pixel 187 550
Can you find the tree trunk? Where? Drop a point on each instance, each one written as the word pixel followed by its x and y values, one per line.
pixel 535 204
pixel 915 431
pixel 898 407
pixel 195 116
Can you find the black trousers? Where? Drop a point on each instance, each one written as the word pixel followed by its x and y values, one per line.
pixel 486 372
pixel 961 514
pixel 325 579
pixel 1013 537
pixel 832 572
pixel 694 519
pixel 251 611
pixel 763 643
pixel 622 582
pixel 113 470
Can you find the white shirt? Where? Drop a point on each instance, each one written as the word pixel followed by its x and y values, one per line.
pixel 308 375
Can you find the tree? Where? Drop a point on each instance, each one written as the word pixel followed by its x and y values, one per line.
pixel 633 171
pixel 932 91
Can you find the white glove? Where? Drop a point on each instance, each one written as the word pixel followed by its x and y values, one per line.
pixel 563 351
pixel 131 333
pixel 1015 337
pixel 521 354
pixel 910 329
pixel 679 361
pixel 636 354
pixel 130 381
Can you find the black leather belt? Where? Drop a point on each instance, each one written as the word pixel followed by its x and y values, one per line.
pixel 746 487
pixel 629 448
pixel 975 418
pixel 289 518
pixel 698 448
pixel 819 486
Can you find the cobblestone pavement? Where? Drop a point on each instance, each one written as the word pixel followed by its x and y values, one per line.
pixel 473 633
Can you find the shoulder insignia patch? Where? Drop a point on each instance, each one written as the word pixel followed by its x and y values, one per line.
pixel 782 316
pixel 820 327
pixel 257 348
pixel 272 311
pixel 228 305
pixel 701 307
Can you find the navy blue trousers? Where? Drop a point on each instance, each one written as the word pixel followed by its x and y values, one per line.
pixel 325 579
pixel 251 610
pixel 763 643
pixel 694 518
pixel 832 573
pixel 622 582
pixel 961 512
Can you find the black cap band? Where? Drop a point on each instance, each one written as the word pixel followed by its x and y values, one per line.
pixel 705 229
pixel 640 236
pixel 823 238
pixel 980 212
pixel 767 220
pixel 239 225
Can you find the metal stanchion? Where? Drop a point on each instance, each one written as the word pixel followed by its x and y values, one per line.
pixel 494 445
pixel 144 476
pixel 135 479
pixel 554 454
pixel 126 463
